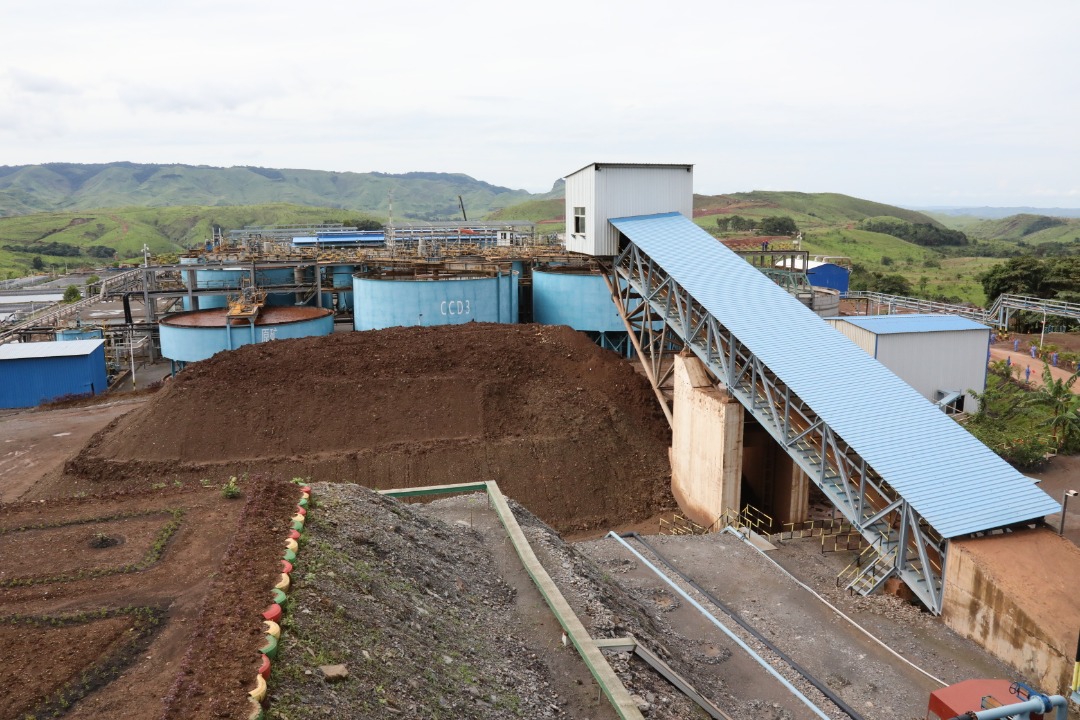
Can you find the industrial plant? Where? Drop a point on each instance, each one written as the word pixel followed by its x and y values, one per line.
pixel 787 417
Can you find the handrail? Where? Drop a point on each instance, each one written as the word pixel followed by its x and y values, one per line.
pixel 602 672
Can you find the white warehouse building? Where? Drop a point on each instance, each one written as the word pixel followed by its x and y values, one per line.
pixel 601 191
pixel 943 357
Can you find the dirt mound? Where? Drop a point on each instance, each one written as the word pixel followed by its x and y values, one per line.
pixel 567 429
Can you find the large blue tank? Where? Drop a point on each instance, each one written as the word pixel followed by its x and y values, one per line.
pixel 564 296
pixel 193 336
pixel 281 276
pixel 342 280
pixel 227 280
pixel 384 301
pixel 81 333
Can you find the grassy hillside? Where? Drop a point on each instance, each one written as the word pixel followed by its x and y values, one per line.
pixel 164 230
pixel 549 211
pixel 52 187
pixel 807 209
pixel 877 252
pixel 1031 229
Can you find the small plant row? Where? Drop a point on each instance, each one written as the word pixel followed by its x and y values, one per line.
pixel 152 556
pixel 85 521
pixel 145 621
pixel 271 617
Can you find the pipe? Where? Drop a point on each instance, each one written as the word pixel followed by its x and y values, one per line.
pixel 1037 704
pixel 824 689
pixel 735 638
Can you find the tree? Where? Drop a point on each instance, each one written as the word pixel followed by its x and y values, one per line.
pixel 1064 406
pixel 1019 276
pixel 779 225
pixel 72 294
pixel 37 263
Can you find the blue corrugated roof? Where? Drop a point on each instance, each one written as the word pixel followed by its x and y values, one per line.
pixel 954 481
pixel 914 323
pixel 69 348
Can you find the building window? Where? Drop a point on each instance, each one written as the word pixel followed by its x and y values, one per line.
pixel 579 220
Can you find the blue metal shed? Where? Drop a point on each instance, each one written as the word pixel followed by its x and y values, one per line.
pixel 821 274
pixel 828 275
pixel 33 373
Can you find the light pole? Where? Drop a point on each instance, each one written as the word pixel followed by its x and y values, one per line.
pixel 1064 504
pixel 1042 336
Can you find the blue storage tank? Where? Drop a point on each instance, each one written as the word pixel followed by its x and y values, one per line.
pixel 386 300
pixel 227 280
pixel 33 373
pixel 342 279
pixel 78 334
pixel 580 299
pixel 193 336
pixel 281 276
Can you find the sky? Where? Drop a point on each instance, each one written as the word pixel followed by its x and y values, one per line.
pixel 916 103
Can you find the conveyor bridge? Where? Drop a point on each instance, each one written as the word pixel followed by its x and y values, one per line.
pixel 905 475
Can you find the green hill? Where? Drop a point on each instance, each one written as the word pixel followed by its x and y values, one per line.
pixel 807 209
pixel 1030 229
pixel 76 235
pixel 26 189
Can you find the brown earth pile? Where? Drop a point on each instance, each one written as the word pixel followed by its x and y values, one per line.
pixel 567 429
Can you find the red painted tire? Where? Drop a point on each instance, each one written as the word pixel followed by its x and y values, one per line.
pixel 306 488
pixel 286 566
pixel 301 510
pixel 264 667
pixel 272 613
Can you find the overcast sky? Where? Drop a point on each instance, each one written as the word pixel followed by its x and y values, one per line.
pixel 949 102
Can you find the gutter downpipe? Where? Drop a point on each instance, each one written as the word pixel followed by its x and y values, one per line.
pixel 1022 711
pixel 735 638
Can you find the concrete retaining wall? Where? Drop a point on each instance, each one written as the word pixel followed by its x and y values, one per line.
pixel 1015 595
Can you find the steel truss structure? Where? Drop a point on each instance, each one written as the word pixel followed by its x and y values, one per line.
pixel 997 315
pixel 663 318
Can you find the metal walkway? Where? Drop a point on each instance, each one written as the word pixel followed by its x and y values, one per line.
pixel 904 474
pixel 997 315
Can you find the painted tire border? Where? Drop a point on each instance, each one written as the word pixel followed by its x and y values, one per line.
pixel 272 615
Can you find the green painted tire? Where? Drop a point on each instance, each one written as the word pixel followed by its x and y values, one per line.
pixel 279 596
pixel 269 648
pixel 289 555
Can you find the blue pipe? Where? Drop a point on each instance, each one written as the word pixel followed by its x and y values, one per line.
pixel 1022 711
pixel 749 651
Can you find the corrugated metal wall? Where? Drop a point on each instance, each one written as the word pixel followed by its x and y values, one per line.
pixel 26 382
pixel 862 338
pixel 932 361
pixel 580 189
pixel 614 191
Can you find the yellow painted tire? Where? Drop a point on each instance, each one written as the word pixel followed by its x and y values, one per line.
pixel 256 710
pixel 291 544
pixel 298 518
pixel 283 583
pixel 272 628
pixel 260 689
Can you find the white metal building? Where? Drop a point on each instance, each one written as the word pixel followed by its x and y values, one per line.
pixel 944 357
pixel 600 191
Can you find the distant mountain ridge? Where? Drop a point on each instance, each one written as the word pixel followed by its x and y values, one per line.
pixel 997 213
pixel 49 187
